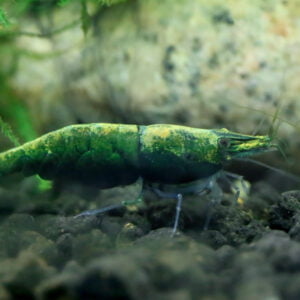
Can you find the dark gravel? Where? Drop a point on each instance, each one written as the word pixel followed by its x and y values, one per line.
pixel 251 249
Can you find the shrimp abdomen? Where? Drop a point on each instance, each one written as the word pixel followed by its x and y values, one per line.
pixel 98 154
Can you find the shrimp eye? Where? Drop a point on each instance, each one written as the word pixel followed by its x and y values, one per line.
pixel 224 143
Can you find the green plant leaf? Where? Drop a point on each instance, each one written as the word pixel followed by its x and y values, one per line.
pixel 3 18
pixel 8 132
pixel 85 17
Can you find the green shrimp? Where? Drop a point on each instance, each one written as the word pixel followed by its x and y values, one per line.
pixel 108 155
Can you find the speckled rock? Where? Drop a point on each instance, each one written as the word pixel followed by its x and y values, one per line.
pixel 200 63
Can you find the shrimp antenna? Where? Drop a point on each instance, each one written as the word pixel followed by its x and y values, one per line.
pixel 279 148
pixel 273 132
pixel 262 121
pixel 279 171
pixel 275 117
pixel 274 129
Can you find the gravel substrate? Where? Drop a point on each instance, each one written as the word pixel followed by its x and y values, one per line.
pixel 251 249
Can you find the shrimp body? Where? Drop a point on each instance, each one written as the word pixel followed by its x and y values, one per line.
pixel 108 155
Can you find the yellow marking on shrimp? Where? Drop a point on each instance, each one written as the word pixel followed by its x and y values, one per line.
pixel 156 132
pixel 108 128
pixel 160 131
pixel 163 133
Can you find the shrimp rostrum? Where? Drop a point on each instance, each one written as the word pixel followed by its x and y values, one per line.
pixel 109 155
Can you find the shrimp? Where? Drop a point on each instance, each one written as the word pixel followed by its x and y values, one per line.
pixel 108 155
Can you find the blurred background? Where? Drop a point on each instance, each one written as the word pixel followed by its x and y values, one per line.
pixel 208 64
